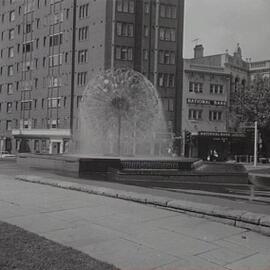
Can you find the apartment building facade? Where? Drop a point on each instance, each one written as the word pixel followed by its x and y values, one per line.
pixel 50 49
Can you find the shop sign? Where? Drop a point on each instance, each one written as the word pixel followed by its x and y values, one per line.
pixel 206 102
pixel 222 134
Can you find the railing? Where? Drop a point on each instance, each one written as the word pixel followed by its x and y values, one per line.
pixel 249 159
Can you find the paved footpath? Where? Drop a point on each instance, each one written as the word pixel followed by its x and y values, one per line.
pixel 127 234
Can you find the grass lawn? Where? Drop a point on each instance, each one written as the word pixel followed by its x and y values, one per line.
pixel 22 250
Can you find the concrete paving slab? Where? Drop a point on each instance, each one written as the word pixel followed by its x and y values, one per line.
pixel 234 246
pixel 251 240
pixel 257 261
pixel 128 255
pixel 224 256
pixel 40 223
pixel 196 227
pixel 82 235
pixel 172 243
pixel 191 263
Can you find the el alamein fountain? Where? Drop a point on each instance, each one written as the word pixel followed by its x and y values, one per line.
pixel 122 129
pixel 123 137
pixel 121 115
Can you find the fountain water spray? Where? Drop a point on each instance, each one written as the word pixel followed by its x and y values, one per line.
pixel 120 115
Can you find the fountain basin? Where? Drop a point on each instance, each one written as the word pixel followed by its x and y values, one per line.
pixel 260 180
pixel 158 172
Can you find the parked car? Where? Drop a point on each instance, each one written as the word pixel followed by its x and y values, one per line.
pixel 6 154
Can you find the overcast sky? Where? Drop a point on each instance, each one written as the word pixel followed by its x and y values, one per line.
pixel 221 24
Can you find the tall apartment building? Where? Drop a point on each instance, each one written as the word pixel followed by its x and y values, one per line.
pixel 50 49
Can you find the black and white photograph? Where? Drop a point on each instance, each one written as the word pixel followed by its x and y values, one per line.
pixel 134 135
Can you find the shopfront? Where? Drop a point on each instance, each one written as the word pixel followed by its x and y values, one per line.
pixel 224 144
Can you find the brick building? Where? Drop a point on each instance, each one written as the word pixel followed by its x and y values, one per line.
pixel 50 49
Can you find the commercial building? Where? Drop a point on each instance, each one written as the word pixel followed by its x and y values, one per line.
pixel 50 49
pixel 209 84
pixel 261 68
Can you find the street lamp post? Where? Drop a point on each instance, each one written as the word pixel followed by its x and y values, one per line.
pixel 255 143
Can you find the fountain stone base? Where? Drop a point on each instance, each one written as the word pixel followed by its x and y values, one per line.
pixel 158 172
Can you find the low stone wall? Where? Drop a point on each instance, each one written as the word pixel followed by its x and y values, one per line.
pixel 62 164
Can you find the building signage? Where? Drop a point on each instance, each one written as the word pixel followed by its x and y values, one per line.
pixel 221 134
pixel 206 102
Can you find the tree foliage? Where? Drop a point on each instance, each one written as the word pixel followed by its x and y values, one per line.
pixel 253 103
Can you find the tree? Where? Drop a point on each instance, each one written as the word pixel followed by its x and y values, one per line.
pixel 252 104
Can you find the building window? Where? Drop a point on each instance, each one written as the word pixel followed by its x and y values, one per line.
pixel 28 47
pixel 168 104
pixel 54 102
pixel 166 80
pixel 55 82
pixel 28 28
pixel 9 125
pixel 195 87
pixel 56 40
pixel 11 52
pixel 82 56
pixel 146 31
pixel 215 115
pixel 36 142
pixel 29 6
pixel 79 99
pixel 147 7
pixel 83 11
pixel 26 105
pixel 167 34
pixel 83 33
pixel 167 57
pixel 81 78
pixel 10 70
pixel 126 6
pixel 11 34
pixel 55 60
pixel 145 55
pixel 124 53
pixel 66 57
pixel 216 89
pixel 194 114
pixel 10 88
pixel 67 13
pixel 125 29
pixel 36 83
pixel 37 22
pixel 168 11
pixel 9 107
pixel 12 16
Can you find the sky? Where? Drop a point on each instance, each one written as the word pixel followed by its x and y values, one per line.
pixel 221 24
